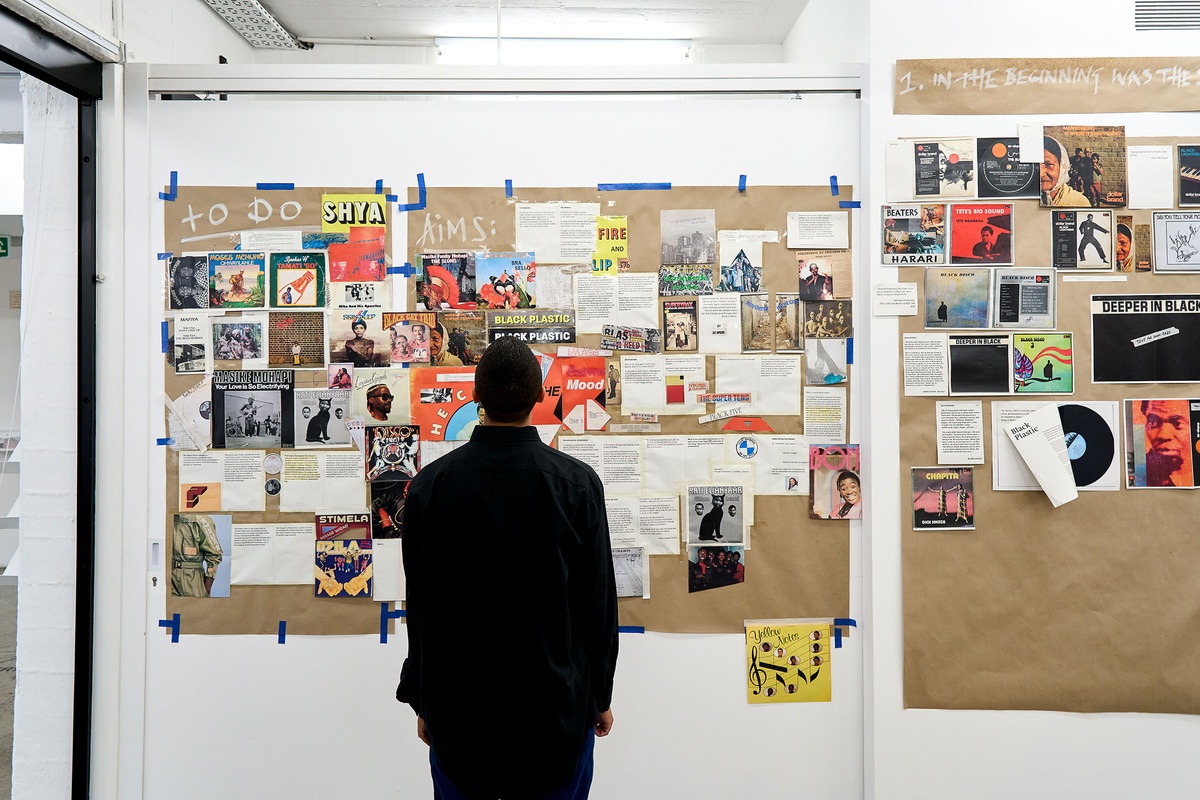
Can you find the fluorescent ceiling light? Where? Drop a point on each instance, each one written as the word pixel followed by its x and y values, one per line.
pixel 559 52
pixel 257 25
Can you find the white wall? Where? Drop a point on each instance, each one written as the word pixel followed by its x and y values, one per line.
pixel 830 31
pixel 986 755
pixel 42 711
pixel 179 32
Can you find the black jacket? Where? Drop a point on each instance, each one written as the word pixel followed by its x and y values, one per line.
pixel 511 610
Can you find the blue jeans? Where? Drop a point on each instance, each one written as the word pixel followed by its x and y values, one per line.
pixel 576 788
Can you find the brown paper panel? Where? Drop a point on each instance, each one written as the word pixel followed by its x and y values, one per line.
pixel 1080 85
pixel 1088 607
pixel 796 567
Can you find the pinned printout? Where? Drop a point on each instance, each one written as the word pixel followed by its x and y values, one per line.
pixel 685 279
pixel 787 661
pixel 1189 176
pixel 190 343
pixel 278 554
pixel 672 462
pixel 788 326
pixel 818 230
pixel 681 326
pixel 780 461
pixel 1023 298
pixel 1176 241
pixel 1145 338
pixel 230 480
pixel 201 547
pixel 557 232
pixel 943 498
pixel 926 365
pixel 617 460
pixel 316 481
pixel 631 569
pixel 189 417
pixel 629 300
pixel 252 409
pixel 894 299
pixel 662 384
pixel 1082 240
pixel 641 521
pixel 442 404
pixel 981 233
pixel 720 323
pixel 826 361
pixel 825 412
pixel 715 515
pixel 773 382
pixel 688 236
pixel 1038 438
pixel 960 432
pixel 187 283
pixel 241 341
pixel 1003 172
pixel 758 323
pixel 1152 176
pixel 980 365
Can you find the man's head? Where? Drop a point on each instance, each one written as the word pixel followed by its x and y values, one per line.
pixel 508 381
pixel 1168 440
pixel 986 234
pixel 379 401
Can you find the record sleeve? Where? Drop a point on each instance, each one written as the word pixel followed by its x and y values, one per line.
pixel 1091 443
pixel 1001 171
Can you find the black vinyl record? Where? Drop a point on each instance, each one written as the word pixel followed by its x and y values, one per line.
pixel 1090 442
pixel 1002 173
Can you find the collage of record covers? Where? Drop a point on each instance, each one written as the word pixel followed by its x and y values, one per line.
pixel 991 324
pixel 315 377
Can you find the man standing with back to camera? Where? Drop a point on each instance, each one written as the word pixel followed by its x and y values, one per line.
pixel 510 700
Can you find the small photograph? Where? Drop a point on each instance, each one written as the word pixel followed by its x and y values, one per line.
pixel 237 339
pixel 357 295
pixel 343 568
pixel 358 339
pixel 680 328
pixel 717 515
pixel 956 298
pixel 631 566
pixel 201 546
pixel 981 233
pixel 741 266
pixel 914 233
pixel 688 236
pixel 187 282
pixel 446 281
pixel 1081 239
pixel 758 323
pixel 506 280
pixel 685 279
pixel 188 357
pixel 237 280
pixel 825 361
pixel 943 498
pixel 1160 451
pixel 410 336
pixel 321 416
pixel 612 398
pixel 296 340
pixel 298 280
pixel 393 452
pixel 828 319
pixel 460 337
pixel 1043 363
pixel 437 394
pixel 816 279
pixel 252 419
pixel 341 376
pixel 626 337
pixel 712 566
pixel 788 327
pixel 1083 165
pixel 944 168
pixel 1143 247
pixel 387 509
pixel 835 485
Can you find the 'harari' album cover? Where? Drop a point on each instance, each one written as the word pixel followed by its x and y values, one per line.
pixel 914 233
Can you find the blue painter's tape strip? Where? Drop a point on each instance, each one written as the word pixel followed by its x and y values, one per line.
pixel 166 337
pixel 849 204
pixel 508 187
pixel 379 186
pixel 833 186
pixel 630 629
pixel 282 631
pixel 163 442
pixel 845 622
pixel 391 198
pixel 420 204
pixel 631 187
pixel 406 269
pixel 837 638
pixel 850 350
pixel 170 196
pixel 164 256
pixel 275 187
pixel 386 613
pixel 173 624
pixel 742 183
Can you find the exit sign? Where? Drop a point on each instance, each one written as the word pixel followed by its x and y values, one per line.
pixel 3 247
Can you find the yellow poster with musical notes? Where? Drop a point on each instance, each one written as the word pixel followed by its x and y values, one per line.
pixel 788 661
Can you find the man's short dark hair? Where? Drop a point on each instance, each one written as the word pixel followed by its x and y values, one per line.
pixel 986 229
pixel 508 379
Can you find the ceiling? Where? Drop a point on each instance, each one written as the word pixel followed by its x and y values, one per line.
pixel 705 21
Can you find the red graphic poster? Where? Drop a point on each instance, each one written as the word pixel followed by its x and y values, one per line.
pixel 569 384
pixel 442 403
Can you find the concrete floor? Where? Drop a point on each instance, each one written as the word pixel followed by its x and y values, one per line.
pixel 8 676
